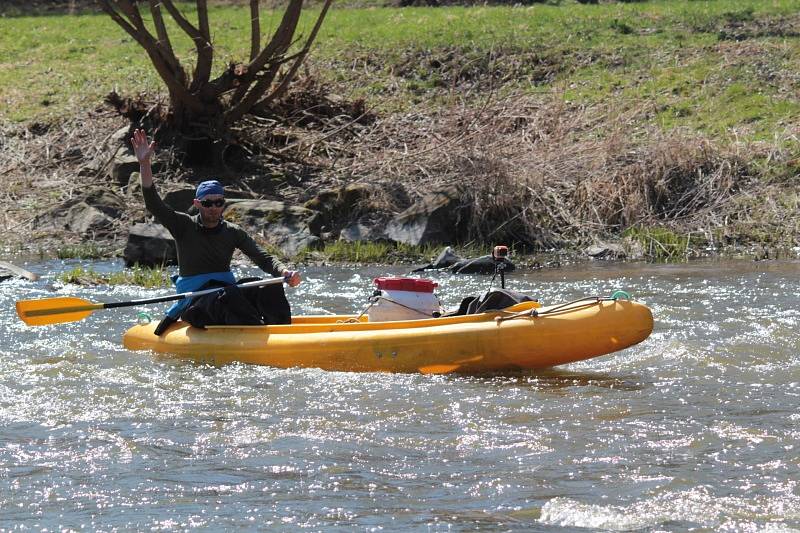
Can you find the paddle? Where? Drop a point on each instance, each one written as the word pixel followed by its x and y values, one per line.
pixel 70 309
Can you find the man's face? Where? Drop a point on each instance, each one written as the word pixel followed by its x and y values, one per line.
pixel 210 206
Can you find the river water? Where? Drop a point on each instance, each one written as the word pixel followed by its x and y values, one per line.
pixel 697 428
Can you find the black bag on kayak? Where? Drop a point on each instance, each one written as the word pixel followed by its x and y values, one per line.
pixel 491 300
pixel 232 306
pixel 269 301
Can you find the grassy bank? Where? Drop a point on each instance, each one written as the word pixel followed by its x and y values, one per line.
pixel 565 124
pixel 143 277
pixel 708 65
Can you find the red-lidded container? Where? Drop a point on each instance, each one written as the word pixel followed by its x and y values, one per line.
pixel 403 299
pixel 405 284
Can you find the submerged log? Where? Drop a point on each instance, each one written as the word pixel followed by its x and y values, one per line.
pixel 14 270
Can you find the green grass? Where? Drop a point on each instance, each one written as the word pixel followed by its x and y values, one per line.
pixel 143 277
pixel 663 244
pixel 670 54
pixel 358 252
pixel 384 252
pixel 88 250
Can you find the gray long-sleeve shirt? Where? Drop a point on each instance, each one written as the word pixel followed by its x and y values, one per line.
pixel 204 250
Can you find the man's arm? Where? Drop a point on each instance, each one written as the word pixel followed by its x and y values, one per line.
pixel 172 220
pixel 266 262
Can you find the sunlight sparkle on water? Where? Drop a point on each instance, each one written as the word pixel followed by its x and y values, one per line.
pixel 694 428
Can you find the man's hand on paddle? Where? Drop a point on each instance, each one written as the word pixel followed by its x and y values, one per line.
pixel 292 277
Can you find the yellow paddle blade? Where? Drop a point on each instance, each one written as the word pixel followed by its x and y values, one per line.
pixel 55 310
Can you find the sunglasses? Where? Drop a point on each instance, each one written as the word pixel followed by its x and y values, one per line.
pixel 216 203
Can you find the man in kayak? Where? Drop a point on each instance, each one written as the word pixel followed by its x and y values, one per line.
pixel 205 242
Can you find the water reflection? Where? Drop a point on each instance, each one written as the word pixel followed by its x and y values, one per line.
pixel 556 378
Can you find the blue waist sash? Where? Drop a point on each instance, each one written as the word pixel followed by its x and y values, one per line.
pixel 193 283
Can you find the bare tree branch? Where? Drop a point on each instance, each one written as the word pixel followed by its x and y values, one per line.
pixel 106 6
pixel 287 79
pixel 238 111
pixel 131 11
pixel 164 44
pixel 280 42
pixel 184 24
pixel 282 38
pixel 205 54
pixel 201 40
pixel 134 26
pixel 243 100
pixel 255 29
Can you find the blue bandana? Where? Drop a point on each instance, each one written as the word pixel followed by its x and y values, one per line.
pixel 209 187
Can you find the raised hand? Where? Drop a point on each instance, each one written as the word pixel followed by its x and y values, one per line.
pixel 141 147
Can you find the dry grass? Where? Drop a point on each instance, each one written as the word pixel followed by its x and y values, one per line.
pixel 535 170
pixel 548 174
pixel 44 165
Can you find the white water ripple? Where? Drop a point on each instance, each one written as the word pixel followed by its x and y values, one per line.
pixel 696 428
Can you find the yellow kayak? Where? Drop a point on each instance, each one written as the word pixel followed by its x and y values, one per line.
pixel 522 337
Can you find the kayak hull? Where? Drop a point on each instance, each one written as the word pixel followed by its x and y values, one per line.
pixel 490 342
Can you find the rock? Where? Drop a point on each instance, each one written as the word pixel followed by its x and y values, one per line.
pixel 180 199
pixel 291 228
pixel 87 220
pixel 606 251
pixel 134 188
pixel 89 169
pixel 91 215
pixel 119 138
pixel 446 258
pixel 342 206
pixel 365 229
pixel 456 264
pixel 149 244
pixel 123 165
pixel 438 217
pixel 109 202
pixel 124 162
pixel 324 202
pixel 484 264
pixel 71 153
pixel 634 249
pixel 353 195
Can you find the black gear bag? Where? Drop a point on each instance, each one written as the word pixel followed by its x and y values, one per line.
pixel 233 306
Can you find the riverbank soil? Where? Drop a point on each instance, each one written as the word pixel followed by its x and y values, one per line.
pixel 671 132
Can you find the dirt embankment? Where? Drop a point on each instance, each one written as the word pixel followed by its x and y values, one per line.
pixel 525 164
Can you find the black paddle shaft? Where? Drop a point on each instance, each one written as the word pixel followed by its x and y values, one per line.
pixel 172 297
